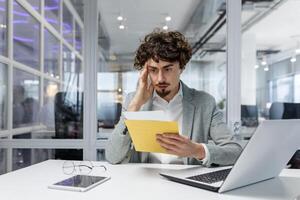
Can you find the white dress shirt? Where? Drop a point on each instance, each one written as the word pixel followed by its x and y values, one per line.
pixel 173 111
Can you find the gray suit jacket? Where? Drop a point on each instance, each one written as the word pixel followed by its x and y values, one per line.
pixel 201 122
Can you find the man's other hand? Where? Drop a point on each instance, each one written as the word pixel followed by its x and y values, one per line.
pixel 181 146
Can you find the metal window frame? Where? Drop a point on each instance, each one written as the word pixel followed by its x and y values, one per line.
pixel 91 62
pixel 11 64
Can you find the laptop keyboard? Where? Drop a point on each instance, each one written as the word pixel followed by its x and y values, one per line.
pixel 211 177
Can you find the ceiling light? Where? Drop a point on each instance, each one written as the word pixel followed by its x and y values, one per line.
pixel 266 68
pixel 119 18
pixel 168 18
pixel 263 63
pixel 122 27
pixel 165 27
pixel 113 57
pixel 256 66
pixel 3 26
pixel 293 59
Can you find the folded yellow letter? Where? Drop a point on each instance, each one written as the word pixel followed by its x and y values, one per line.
pixel 143 133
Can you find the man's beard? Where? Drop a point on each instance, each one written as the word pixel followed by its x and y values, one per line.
pixel 163 93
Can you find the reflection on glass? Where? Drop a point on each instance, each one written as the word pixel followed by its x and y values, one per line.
pixel 35 4
pixel 207 69
pixel 209 77
pixel 47 111
pixel 68 60
pixel 68 109
pixel 109 100
pixel 3 96
pixel 78 5
pixel 3 27
pixel 108 109
pixel 282 90
pixel 3 163
pixel 110 80
pixel 78 38
pixel 72 71
pixel 51 53
pixel 297 85
pixel 69 103
pixel 67 25
pixel 25 98
pixel 52 8
pixel 130 81
pixel 79 69
pixel 26 37
pixel 69 69
pixel 26 157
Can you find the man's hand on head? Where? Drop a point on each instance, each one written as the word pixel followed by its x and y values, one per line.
pixel 181 146
pixel 144 91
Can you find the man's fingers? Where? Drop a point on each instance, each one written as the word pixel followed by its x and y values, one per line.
pixel 169 141
pixel 175 137
pixel 144 74
pixel 169 147
pixel 150 88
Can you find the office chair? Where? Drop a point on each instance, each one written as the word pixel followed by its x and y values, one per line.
pixel 249 115
pixel 281 110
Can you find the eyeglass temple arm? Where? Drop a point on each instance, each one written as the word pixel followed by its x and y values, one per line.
pixel 85 166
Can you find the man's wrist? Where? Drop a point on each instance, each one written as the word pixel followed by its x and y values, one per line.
pixel 200 152
pixel 133 107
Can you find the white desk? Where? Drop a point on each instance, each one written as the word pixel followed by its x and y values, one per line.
pixel 135 181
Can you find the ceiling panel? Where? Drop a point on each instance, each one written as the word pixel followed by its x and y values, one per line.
pixel 142 16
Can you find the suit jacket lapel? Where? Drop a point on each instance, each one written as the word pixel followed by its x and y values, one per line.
pixel 188 111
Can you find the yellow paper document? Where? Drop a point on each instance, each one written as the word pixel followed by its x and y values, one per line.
pixel 143 133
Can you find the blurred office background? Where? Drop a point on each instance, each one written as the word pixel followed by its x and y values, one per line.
pixel 42 72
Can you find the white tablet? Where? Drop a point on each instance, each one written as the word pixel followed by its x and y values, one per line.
pixel 79 183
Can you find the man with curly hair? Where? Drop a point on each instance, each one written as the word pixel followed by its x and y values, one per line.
pixel 161 58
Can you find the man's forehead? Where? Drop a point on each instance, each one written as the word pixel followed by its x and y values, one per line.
pixel 160 63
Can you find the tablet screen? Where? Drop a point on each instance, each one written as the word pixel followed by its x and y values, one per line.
pixel 82 181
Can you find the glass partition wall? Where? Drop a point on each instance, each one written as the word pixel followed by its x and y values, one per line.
pixel 270 63
pixel 3 28
pixel 41 82
pixel 207 70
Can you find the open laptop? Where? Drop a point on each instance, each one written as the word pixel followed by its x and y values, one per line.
pixel 266 154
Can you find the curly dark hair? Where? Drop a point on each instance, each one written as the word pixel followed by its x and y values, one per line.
pixel 168 46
